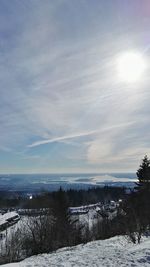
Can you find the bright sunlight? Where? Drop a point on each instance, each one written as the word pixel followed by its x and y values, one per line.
pixel 131 66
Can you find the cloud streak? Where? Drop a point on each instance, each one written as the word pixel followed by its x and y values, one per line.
pixel 78 135
pixel 59 83
pixel 62 138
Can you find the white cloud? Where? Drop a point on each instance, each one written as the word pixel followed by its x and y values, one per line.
pixel 62 138
pixel 58 85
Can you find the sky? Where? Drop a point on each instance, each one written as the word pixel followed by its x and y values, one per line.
pixel 63 107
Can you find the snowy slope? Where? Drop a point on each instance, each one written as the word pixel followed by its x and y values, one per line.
pixel 8 216
pixel 113 252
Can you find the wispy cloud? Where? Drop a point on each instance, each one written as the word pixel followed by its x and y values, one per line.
pixel 58 84
pixel 62 138
pixel 77 135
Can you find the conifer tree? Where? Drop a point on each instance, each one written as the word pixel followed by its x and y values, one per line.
pixel 137 206
pixel 65 229
pixel 143 174
pixel 142 196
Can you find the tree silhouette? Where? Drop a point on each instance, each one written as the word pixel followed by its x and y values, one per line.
pixel 143 174
pixel 138 202
pixel 66 230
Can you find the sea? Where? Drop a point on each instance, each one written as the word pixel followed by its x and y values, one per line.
pixel 50 182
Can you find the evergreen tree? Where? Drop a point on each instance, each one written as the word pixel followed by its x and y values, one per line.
pixel 66 230
pixel 142 195
pixel 143 174
pixel 137 211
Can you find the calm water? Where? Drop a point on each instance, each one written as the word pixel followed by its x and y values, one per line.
pixel 54 181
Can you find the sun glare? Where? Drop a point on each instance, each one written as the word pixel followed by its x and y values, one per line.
pixel 131 66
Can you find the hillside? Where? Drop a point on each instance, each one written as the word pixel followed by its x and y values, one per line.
pixel 112 252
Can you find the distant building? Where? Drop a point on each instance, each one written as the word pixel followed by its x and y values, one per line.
pixel 8 219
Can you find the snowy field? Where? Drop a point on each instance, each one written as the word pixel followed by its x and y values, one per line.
pixel 113 252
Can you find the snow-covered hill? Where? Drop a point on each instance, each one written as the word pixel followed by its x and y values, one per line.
pixel 113 252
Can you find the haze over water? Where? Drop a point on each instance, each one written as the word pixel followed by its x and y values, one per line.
pixel 34 182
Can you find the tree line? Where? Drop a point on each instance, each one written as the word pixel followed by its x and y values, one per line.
pixel 137 204
pixel 57 228
pixel 74 197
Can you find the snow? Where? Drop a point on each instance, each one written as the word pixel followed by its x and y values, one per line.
pixel 7 216
pixel 4 219
pixel 84 209
pixel 89 215
pixel 89 219
pixel 113 252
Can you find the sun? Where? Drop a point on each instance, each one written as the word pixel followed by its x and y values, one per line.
pixel 131 66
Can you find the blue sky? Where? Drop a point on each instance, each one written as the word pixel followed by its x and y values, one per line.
pixel 62 106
